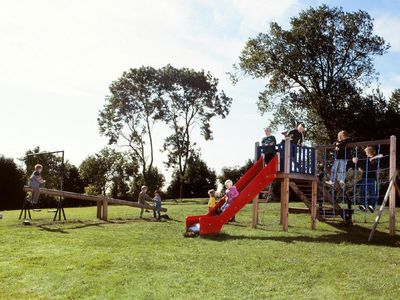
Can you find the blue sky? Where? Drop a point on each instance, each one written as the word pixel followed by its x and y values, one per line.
pixel 57 59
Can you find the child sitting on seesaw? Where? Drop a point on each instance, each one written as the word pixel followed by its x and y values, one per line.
pixel 143 198
pixel 34 182
pixel 157 201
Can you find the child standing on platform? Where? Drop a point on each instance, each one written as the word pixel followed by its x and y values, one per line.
pixel 369 180
pixel 34 182
pixel 211 201
pixel 339 164
pixel 268 144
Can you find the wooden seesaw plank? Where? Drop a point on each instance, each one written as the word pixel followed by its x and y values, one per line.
pixel 71 195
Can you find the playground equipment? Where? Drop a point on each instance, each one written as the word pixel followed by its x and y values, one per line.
pixel 102 201
pixel 251 183
pixel 296 168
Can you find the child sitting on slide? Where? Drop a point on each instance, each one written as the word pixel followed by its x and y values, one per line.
pixel 231 193
pixel 211 201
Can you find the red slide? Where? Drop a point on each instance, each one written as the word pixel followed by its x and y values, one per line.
pixel 253 182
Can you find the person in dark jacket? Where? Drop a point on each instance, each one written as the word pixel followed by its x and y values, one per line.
pixel 338 170
pixel 296 135
pixel 268 144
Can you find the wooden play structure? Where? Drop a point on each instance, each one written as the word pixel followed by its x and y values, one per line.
pixel 102 202
pixel 297 171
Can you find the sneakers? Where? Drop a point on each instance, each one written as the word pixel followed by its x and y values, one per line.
pixel 341 183
pixel 371 208
pixel 328 182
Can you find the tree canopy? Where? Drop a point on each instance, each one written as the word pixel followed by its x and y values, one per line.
pixel 317 69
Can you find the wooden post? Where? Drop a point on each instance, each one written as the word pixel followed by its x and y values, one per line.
pixel 255 212
pixel 255 200
pixel 285 186
pixel 313 204
pixel 392 195
pixel 285 203
pixel 287 156
pixel 99 203
pixel 105 209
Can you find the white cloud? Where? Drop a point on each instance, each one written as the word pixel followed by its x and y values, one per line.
pixel 387 26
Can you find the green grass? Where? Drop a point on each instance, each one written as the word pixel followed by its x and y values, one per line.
pixel 128 258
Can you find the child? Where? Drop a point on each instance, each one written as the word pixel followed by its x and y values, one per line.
pixel 296 135
pixel 231 193
pixel 157 200
pixel 211 201
pixel 368 182
pixel 143 197
pixel 34 182
pixel 268 143
pixel 339 165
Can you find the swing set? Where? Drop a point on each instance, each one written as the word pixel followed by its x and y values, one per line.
pixel 303 170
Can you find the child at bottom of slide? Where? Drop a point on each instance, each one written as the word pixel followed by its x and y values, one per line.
pixel 211 201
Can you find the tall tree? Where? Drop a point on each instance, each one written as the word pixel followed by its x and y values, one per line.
pixel 101 170
pixel 317 68
pixel 198 179
pixel 190 99
pixel 130 112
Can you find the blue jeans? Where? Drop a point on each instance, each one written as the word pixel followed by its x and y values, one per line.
pixel 338 170
pixel 368 186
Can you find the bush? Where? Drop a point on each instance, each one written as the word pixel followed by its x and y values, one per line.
pixel 12 180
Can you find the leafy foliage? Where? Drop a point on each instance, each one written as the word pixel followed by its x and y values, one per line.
pixel 108 170
pixel 198 179
pixel 131 111
pixel 190 99
pixel 234 173
pixel 317 69
pixel 155 180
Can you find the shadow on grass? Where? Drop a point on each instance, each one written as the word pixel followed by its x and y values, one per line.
pixel 80 224
pixel 66 225
pixel 355 234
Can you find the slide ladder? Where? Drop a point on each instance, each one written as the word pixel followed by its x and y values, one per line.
pixel 249 186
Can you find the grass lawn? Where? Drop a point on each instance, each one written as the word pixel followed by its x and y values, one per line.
pixel 129 258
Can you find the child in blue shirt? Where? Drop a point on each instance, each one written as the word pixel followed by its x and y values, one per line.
pixel 157 201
